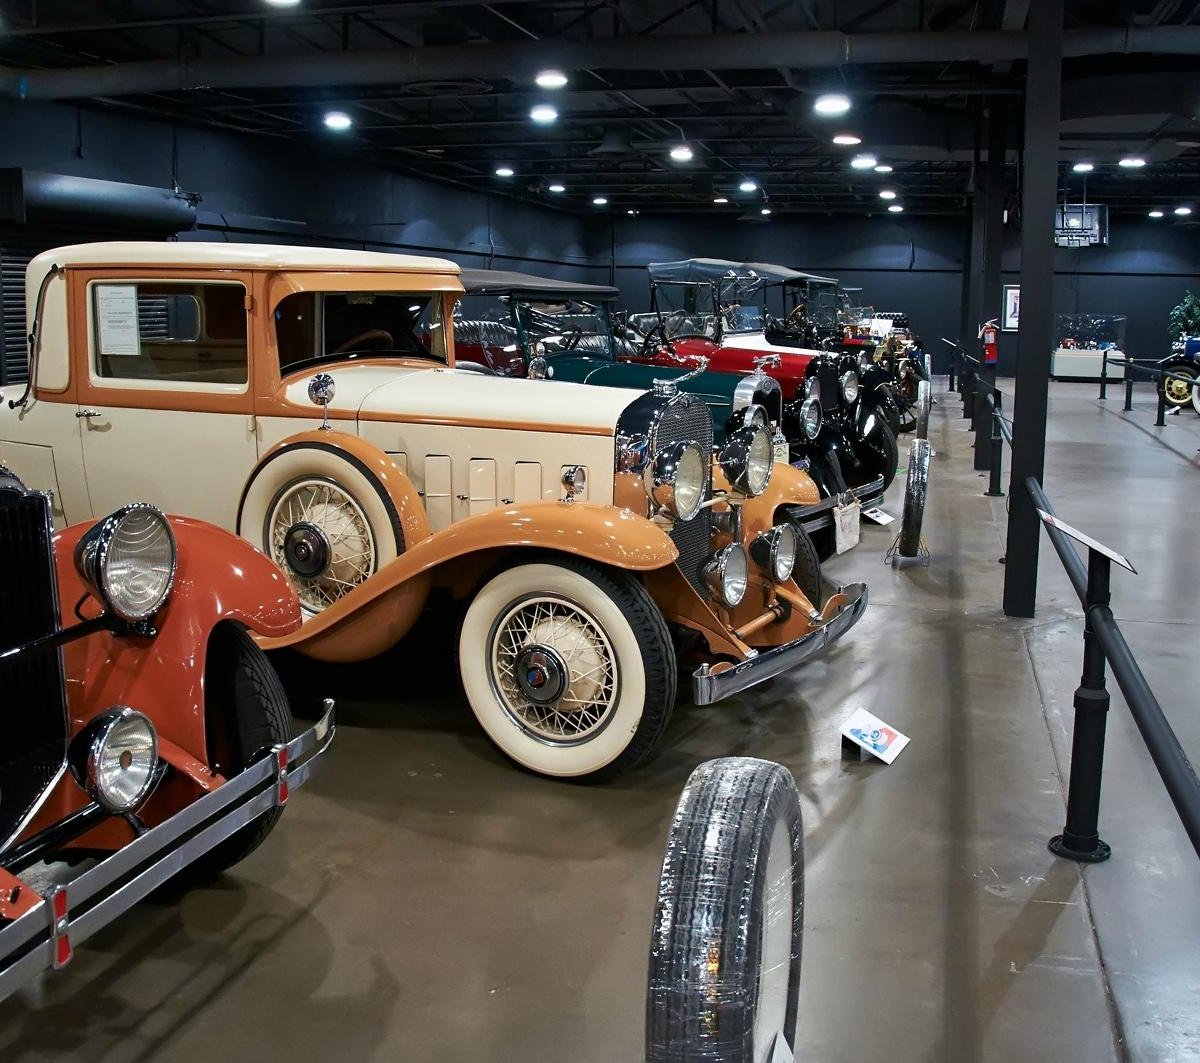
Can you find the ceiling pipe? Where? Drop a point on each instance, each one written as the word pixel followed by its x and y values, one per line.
pixel 723 51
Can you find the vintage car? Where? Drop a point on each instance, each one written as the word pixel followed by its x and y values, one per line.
pixel 715 310
pixel 308 399
pixel 145 728
pixel 516 324
pixel 1183 365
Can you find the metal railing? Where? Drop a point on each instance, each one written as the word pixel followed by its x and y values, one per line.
pixel 1149 366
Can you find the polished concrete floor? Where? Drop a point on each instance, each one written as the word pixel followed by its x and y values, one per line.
pixel 422 900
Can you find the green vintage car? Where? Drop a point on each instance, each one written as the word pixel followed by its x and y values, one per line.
pixel 516 324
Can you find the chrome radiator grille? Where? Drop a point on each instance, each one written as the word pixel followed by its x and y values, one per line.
pixel 687 418
pixel 35 726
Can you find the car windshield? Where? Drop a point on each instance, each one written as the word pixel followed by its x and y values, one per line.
pixel 316 327
pixel 684 310
pixel 567 325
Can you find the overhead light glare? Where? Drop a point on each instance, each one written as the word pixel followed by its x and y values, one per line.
pixel 765 210
pixel 599 201
pixel 721 199
pixel 1132 162
pixel 631 212
pixel 864 162
pixel 831 104
pixel 283 3
pixel 895 208
pixel 504 171
pixel 887 193
pixel 1083 167
pixel 747 185
pixel 551 79
pixel 543 114
pixel 338 120
pixel 883 167
pixel 556 187
pixel 1183 212
pixel 681 153
pixel 1156 214
pixel 847 139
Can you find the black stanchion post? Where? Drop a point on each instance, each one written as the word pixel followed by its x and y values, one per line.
pixel 950 372
pixel 1080 839
pixel 997 454
pixel 1161 420
pixel 969 396
pixel 1128 387
pixel 1104 375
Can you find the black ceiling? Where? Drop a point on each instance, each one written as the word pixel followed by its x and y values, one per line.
pixel 916 111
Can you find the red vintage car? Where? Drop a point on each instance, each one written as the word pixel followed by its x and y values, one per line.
pixel 145 728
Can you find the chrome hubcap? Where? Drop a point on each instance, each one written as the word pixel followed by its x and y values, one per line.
pixel 1177 391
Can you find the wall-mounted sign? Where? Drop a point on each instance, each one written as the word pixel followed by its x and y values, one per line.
pixel 1012 307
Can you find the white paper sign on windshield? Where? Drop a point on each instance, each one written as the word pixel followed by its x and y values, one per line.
pixel 117 320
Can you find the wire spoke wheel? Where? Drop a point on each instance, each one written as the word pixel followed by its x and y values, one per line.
pixel 1178 392
pixel 553 669
pixel 320 536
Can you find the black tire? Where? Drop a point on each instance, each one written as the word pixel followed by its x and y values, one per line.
pixel 915 492
pixel 891 413
pixel 713 898
pixel 889 451
pixel 246 712
pixel 1172 391
pixel 807 571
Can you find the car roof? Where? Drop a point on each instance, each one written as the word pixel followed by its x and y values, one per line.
pixel 235 256
pixel 510 282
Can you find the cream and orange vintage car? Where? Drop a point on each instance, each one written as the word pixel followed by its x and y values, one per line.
pixel 308 399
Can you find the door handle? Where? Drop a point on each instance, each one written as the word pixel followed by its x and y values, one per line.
pixel 88 413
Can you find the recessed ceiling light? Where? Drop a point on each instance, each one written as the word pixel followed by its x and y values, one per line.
pixel 1083 167
pixel 883 167
pixel 556 187
pixel 747 185
pixel 681 153
pixel 338 120
pixel 599 201
pixel 1132 162
pixel 887 193
pixel 543 114
pixel 864 162
pixel 831 104
pixel 282 3
pixel 1156 214
pixel 1183 212
pixel 847 139
pixel 551 79
pixel 631 212
pixel 720 199
pixel 504 171
pixel 765 210
pixel 895 208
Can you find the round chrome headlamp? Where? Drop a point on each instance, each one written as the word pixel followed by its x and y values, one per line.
pixel 726 574
pixel 849 385
pixel 114 758
pixel 749 416
pixel 810 417
pixel 675 479
pixel 774 551
pixel 747 458
pixel 128 561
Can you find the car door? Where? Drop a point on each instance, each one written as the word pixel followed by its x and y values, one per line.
pixel 164 394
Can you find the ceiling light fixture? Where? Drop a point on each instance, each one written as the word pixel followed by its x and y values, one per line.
pixel 887 193
pixel 895 208
pixel 599 201
pixel 765 210
pixel 831 104
pixel 747 185
pixel 631 212
pixel 282 3
pixel 847 140
pixel 543 114
pixel 338 120
pixel 504 171
pixel 1183 212
pixel 556 187
pixel 1083 167
pixel 1156 214
pixel 864 162
pixel 721 199
pixel 1132 162
pixel 883 167
pixel 551 79
pixel 681 153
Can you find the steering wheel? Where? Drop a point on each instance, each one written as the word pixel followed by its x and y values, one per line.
pixel 650 347
pixel 796 315
pixel 370 336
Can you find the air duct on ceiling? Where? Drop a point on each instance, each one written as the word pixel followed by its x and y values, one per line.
pixel 54 198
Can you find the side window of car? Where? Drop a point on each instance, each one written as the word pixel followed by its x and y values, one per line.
pixel 172 333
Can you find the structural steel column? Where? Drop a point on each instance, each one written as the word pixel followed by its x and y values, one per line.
pixel 993 241
pixel 975 266
pixel 1035 340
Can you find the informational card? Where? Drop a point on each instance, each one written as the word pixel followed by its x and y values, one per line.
pixel 117 320
pixel 877 516
pixel 872 734
pixel 846 528
pixel 1087 540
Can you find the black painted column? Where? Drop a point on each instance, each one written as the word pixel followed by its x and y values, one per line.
pixel 1035 340
pixel 991 295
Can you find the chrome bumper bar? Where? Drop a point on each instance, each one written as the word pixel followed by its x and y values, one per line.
pixel 46 935
pixel 814 518
pixel 709 686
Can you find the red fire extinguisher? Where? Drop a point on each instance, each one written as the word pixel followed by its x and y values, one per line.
pixel 989 335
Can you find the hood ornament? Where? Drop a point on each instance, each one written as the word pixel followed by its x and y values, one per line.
pixel 772 360
pixel 321 390
pixel 671 387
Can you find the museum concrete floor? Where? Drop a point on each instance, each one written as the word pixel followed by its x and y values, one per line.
pixel 423 900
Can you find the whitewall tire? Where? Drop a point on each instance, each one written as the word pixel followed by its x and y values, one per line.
pixel 569 667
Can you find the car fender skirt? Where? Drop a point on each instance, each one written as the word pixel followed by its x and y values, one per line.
pixel 378 613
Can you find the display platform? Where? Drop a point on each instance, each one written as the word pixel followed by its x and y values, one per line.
pixel 1074 364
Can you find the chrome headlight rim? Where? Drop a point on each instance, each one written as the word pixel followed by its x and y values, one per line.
pixel 91 746
pixel 775 550
pixel 727 575
pixel 748 472
pixel 864 361
pixel 94 556
pixel 848 383
pixel 811 417
pixel 753 414
pixel 661 479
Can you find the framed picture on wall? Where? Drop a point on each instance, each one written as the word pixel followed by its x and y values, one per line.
pixel 1012 308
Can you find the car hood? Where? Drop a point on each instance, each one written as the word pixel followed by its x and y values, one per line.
pixel 713 388
pixel 453 396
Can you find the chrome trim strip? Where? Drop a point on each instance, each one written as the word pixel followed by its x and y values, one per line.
pixel 709 687
pixel 236 802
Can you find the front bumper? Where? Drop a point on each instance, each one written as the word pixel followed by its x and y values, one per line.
pixel 711 683
pixel 45 936
pixel 820 516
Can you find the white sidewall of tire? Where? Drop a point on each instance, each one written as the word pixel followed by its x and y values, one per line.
pixel 474 655
pixel 306 462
